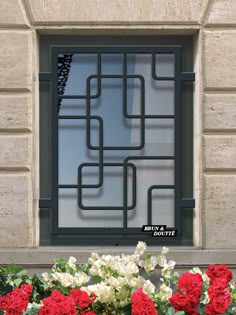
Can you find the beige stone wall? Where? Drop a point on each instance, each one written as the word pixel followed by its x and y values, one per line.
pixel 213 23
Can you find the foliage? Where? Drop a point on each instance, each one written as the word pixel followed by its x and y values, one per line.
pixel 121 285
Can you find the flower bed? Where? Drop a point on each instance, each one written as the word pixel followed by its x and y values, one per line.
pixel 118 285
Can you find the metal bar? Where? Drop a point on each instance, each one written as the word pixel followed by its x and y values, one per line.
pixel 178 141
pixel 187 203
pixel 45 203
pixel 54 143
pixel 45 76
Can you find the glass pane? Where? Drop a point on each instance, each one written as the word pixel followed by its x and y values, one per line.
pixel 112 64
pixel 163 207
pixel 117 122
pixel 165 65
pixel 71 216
pixel 72 149
pixel 159 95
pixel 149 173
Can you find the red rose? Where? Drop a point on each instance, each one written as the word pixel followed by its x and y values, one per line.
pixel 80 297
pixel 191 283
pixel 220 304
pixel 137 296
pixel 88 313
pixel 142 304
pixel 26 288
pixel 219 287
pixel 13 312
pixel 48 309
pixel 93 296
pixel 56 296
pixel 58 304
pixel 180 301
pixel 221 271
pixel 4 303
pixel 210 310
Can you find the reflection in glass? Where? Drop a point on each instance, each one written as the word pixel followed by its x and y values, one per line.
pixel 114 101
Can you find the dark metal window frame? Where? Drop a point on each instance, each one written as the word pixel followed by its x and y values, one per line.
pixel 180 202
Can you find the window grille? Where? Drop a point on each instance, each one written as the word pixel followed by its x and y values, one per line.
pixel 120 68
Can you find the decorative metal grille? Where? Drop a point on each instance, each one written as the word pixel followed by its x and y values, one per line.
pixel 61 58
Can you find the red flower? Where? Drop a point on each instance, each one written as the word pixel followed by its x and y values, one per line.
pixel 88 313
pixel 219 287
pixel 26 288
pixel 210 310
pixel 4 302
pixel 220 304
pixel 219 290
pixel 221 271
pixel 191 284
pixel 181 301
pixel 58 304
pixel 15 302
pixel 142 304
pixel 93 296
pixel 80 297
pixel 189 297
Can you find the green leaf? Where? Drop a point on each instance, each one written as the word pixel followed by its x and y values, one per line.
pixel 170 310
pixel 12 268
pixel 96 279
pixel 180 313
pixel 17 282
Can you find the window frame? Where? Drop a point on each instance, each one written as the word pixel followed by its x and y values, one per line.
pixel 60 236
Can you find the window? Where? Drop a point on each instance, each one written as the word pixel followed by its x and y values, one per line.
pixel 116 133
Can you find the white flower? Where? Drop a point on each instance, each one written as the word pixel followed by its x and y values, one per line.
pixel 206 298
pixel 104 292
pixel 165 292
pixel 161 260
pixel 148 287
pixel 164 250
pixel 45 276
pixel 71 262
pixel 140 248
pixel 148 264
pixel 65 278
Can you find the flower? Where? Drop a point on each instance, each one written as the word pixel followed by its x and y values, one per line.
pixel 191 283
pixel 15 302
pixel 189 296
pixel 221 271
pixel 119 284
pixel 219 296
pixel 87 312
pixel 58 304
pixel 71 262
pixel 142 304
pixel 140 248
pixel 81 298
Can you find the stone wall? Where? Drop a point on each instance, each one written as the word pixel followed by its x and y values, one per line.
pixel 213 24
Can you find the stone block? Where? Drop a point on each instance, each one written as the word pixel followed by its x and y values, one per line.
pixel 15 152
pixel 219 112
pixel 219 55
pixel 113 11
pixel 15 211
pixel 15 112
pixel 12 14
pixel 219 206
pixel 223 12
pixel 219 152
pixel 16 60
